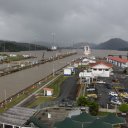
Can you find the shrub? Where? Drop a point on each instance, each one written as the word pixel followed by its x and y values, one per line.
pixel 123 108
pixel 82 101
pixel 93 108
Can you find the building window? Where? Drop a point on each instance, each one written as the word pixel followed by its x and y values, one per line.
pixel 100 69
pixel 106 69
pixel 94 69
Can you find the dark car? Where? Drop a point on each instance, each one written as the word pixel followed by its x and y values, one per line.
pixel 125 100
pixel 108 86
pixel 62 104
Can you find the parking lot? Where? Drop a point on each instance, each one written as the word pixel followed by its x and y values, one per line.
pixel 110 92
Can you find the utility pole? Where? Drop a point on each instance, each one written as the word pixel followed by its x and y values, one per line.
pixel 4 46
pixel 29 46
pixel 53 69
pixel 72 43
pixel 53 38
pixel 127 55
pixel 43 55
pixel 35 50
pixel 5 97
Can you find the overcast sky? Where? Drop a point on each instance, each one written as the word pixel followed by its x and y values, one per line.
pixel 68 20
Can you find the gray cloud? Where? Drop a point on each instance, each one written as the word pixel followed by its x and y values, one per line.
pixel 70 20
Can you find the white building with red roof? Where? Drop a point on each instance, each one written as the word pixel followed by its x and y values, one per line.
pixel 98 69
pixel 48 91
pixel 101 69
pixel 120 62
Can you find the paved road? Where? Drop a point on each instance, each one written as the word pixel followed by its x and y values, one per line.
pixel 68 89
pixel 103 98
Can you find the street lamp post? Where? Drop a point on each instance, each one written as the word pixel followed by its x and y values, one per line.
pixel 53 69
pixel 53 38
pixel 4 46
pixel 5 96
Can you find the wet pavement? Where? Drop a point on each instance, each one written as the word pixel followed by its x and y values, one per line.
pixel 68 89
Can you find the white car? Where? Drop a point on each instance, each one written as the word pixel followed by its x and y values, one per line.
pixel 117 102
pixel 100 82
pixel 113 93
pixel 90 89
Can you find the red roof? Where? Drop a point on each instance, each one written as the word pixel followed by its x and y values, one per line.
pixel 118 59
pixel 101 62
pixel 48 89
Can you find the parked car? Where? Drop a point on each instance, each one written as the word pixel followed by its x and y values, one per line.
pixel 116 102
pixel 69 104
pixel 100 82
pixel 124 95
pixel 62 104
pixel 125 100
pixel 113 98
pixel 90 89
pixel 92 95
pixel 113 93
pixel 108 86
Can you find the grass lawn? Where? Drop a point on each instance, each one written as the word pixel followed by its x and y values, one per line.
pixel 56 85
pixel 17 58
pixel 17 99
pixel 14 101
pixel 103 113
pixel 38 101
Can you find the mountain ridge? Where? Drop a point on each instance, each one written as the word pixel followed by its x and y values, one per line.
pixel 113 44
pixel 14 46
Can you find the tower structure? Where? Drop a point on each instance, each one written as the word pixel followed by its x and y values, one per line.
pixel 87 50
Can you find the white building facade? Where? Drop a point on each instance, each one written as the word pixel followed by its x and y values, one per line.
pixel 101 69
pixel 120 62
pixel 48 91
pixel 69 71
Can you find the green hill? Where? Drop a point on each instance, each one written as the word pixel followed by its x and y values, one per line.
pixel 113 44
pixel 13 46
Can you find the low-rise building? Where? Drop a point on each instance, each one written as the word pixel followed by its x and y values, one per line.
pixel 26 56
pixel 120 62
pixel 3 58
pixel 69 71
pixel 88 60
pixel 12 55
pixel 48 91
pixel 87 76
pixel 101 69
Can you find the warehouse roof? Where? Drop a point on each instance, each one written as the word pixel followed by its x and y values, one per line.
pixel 122 60
pixel 101 62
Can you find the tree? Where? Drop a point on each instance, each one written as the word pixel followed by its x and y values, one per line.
pixel 82 101
pixel 93 108
pixel 123 108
